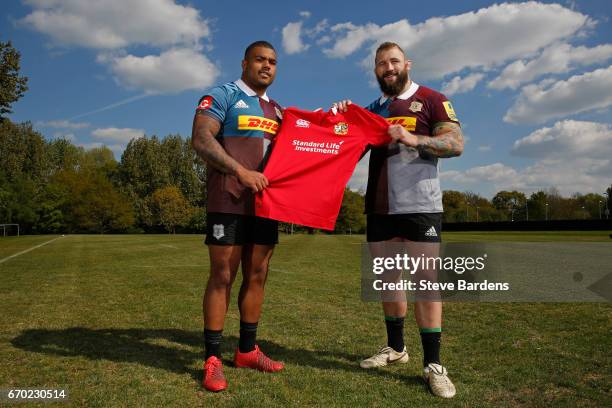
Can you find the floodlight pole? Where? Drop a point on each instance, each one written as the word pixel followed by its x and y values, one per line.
pixel 599 207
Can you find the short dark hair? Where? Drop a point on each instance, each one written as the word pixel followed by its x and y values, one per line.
pixel 260 43
pixel 387 45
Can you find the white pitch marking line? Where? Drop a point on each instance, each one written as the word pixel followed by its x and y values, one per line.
pixel 28 250
pixel 168 246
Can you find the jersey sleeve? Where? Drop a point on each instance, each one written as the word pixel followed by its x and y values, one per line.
pixel 442 110
pixel 215 103
pixel 374 126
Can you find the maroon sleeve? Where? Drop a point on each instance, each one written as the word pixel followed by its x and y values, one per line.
pixel 441 109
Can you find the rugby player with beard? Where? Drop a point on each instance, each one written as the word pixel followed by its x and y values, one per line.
pixel 404 200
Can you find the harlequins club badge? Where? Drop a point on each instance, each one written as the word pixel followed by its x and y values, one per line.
pixel 341 128
pixel 416 106
pixel 218 231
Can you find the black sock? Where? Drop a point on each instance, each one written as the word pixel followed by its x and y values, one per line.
pixel 430 339
pixel 248 334
pixel 395 333
pixel 212 342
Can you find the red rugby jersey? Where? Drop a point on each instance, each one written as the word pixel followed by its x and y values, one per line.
pixel 313 158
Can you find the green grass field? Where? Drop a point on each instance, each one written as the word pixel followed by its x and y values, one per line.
pixel 116 320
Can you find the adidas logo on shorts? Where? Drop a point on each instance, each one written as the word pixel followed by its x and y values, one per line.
pixel 431 232
pixel 241 105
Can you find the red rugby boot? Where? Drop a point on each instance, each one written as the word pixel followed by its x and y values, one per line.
pixel 214 380
pixel 257 360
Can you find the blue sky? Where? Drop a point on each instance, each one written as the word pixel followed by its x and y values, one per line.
pixel 531 82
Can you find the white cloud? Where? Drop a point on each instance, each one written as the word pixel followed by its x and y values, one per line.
pixel 295 33
pixel 292 38
pixel 558 58
pixel 355 36
pixel 481 39
pixel 461 85
pixel 324 40
pixel 62 124
pixel 584 175
pixel 573 156
pixel 567 139
pixel 112 24
pixel 305 14
pixel 496 173
pixel 121 135
pixel 172 71
pixel 580 93
pixel 318 29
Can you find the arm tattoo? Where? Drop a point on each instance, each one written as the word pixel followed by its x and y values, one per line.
pixel 205 128
pixel 447 141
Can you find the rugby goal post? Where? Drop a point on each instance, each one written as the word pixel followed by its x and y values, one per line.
pixel 4 228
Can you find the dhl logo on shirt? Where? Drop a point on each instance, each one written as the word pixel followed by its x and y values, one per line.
pixel 408 122
pixel 247 122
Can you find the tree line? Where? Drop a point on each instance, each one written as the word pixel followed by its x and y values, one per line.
pixel 516 206
pixel 53 186
pixel 50 186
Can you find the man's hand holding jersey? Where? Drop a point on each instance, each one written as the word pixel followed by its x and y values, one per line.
pixel 400 135
pixel 341 106
pixel 251 179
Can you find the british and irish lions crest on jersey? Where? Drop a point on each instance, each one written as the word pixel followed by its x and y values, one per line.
pixel 341 128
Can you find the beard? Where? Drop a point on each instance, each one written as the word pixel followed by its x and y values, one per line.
pixel 393 88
